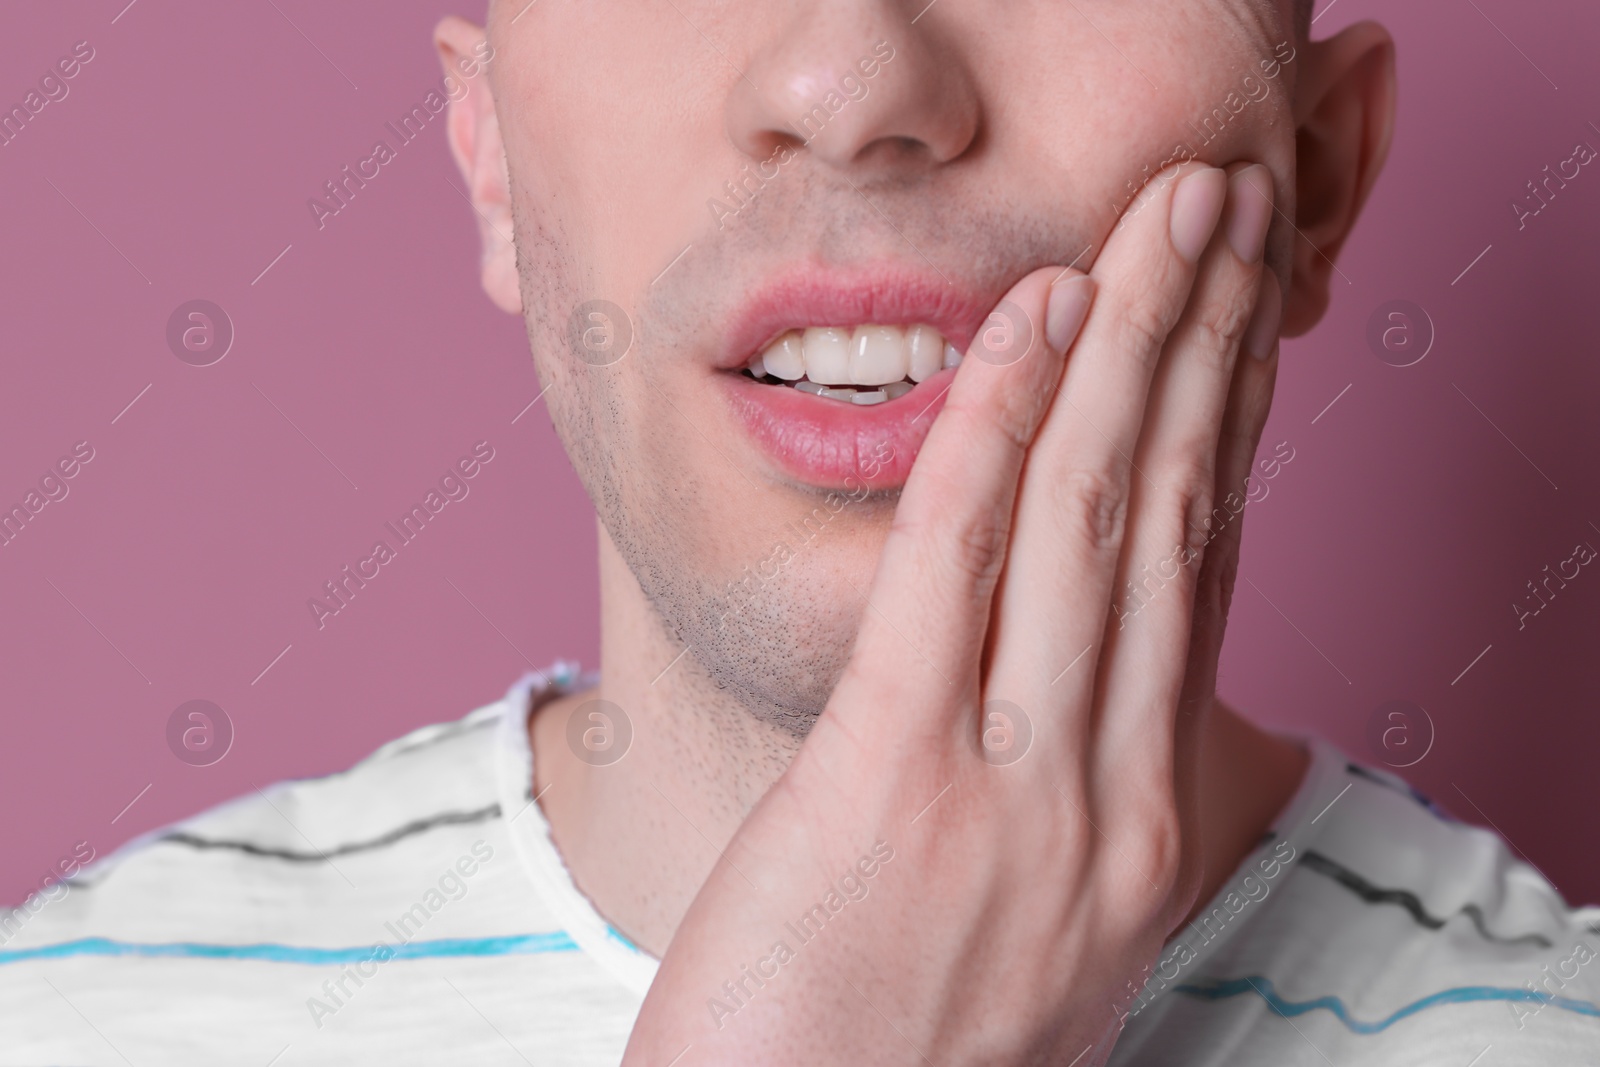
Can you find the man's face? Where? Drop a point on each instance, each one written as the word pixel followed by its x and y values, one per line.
pixel 725 172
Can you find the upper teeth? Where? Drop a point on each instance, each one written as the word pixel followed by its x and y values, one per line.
pixel 867 355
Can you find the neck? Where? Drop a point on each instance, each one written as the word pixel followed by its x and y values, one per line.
pixel 641 834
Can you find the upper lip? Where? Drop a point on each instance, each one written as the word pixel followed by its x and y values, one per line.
pixel 818 295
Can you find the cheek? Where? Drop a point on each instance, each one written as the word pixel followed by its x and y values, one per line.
pixel 1144 87
pixel 612 130
pixel 1087 161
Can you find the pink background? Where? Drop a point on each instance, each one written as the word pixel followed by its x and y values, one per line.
pixel 1385 558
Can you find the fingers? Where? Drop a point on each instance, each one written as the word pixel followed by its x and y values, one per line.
pixel 1248 402
pixel 923 628
pixel 1172 510
pixel 1052 608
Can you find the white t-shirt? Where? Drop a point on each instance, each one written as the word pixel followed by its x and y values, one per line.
pixel 413 909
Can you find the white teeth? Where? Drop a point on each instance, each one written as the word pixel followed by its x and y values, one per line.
pixel 784 358
pixel 827 355
pixel 869 364
pixel 923 347
pixel 877 355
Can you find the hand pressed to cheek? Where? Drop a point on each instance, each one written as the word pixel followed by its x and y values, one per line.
pixel 1178 460
pixel 1073 505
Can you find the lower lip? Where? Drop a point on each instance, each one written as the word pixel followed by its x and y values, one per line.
pixel 830 444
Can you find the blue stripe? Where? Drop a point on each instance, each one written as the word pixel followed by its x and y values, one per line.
pixel 445 947
pixel 612 933
pixel 1459 995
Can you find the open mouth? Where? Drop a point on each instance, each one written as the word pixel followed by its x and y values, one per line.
pixel 836 373
pixel 863 365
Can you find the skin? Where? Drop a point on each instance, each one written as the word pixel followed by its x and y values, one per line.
pixel 1002 143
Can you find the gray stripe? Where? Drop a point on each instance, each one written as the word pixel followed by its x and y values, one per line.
pixel 1406 899
pixel 250 848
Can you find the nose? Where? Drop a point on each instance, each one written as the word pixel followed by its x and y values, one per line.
pixel 861 85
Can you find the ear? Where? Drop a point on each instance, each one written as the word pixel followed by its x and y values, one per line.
pixel 473 130
pixel 1344 103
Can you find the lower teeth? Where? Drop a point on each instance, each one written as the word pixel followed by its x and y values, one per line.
pixel 863 395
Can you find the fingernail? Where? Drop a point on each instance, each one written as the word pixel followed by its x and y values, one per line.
pixel 1261 336
pixel 1064 314
pixel 1249 211
pixel 1196 206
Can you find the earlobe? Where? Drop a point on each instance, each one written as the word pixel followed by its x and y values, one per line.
pixel 1344 113
pixel 473 131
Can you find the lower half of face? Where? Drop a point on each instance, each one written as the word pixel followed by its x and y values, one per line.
pixel 753 250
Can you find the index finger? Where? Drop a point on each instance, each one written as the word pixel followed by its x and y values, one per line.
pixel 922 631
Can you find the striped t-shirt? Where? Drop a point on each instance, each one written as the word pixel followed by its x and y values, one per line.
pixel 414 909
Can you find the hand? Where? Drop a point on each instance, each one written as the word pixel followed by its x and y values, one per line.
pixel 905 894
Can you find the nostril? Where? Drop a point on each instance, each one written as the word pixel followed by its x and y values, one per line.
pixel 878 91
pixel 768 144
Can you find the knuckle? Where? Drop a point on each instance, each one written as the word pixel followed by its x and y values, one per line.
pixel 977 549
pixel 1098 505
pixel 1217 327
pixel 1194 481
pixel 1147 323
pixel 1160 858
pixel 1190 489
pixel 1015 418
